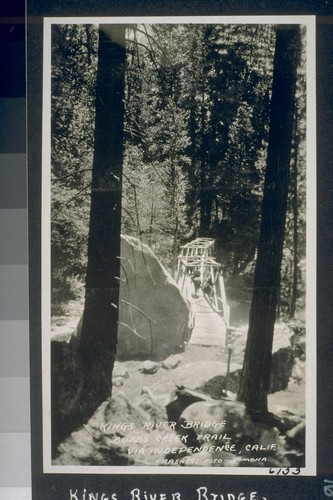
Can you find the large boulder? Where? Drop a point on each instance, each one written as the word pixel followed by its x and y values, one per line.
pixel 227 425
pixel 153 313
pixel 209 377
pixel 121 432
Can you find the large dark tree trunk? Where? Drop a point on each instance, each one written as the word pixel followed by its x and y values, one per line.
pixel 100 317
pixel 258 354
pixel 81 376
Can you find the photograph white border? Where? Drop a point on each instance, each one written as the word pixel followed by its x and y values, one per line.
pixel 310 457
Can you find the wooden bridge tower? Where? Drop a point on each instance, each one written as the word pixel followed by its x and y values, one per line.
pixel 197 259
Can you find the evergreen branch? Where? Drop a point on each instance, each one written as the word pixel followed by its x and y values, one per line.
pixel 129 262
pixel 134 186
pixel 152 39
pixel 129 214
pixel 148 49
pixel 58 179
pixel 152 53
pixel 130 182
pixel 138 309
pixel 148 154
pixel 131 329
pixel 77 195
pixel 150 274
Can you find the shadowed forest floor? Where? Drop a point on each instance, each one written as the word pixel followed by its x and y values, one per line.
pixel 195 363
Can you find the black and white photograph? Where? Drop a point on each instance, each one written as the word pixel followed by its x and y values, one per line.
pixel 178 245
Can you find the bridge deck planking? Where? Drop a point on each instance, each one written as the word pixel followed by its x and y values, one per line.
pixel 209 328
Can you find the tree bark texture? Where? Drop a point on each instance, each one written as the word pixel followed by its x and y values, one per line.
pixel 258 353
pixel 294 289
pixel 81 376
pixel 99 329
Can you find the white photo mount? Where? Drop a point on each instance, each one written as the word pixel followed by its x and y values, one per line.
pixel 310 462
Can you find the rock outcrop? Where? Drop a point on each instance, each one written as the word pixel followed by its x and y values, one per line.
pixel 198 431
pixel 153 313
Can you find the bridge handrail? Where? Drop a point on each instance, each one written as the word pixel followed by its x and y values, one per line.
pixel 198 254
pixel 191 318
pixel 227 307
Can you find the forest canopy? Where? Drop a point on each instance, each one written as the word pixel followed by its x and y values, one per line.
pixel 197 106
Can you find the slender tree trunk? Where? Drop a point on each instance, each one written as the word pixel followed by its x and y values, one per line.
pixel 294 288
pixel 152 213
pixel 175 248
pixel 258 354
pixel 191 189
pixel 203 187
pixel 206 196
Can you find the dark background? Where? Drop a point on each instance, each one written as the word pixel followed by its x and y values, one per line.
pixel 54 486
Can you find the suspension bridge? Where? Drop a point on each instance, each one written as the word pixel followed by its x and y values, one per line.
pixel 200 278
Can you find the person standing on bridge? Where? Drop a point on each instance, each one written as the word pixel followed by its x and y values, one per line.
pixel 196 280
pixel 207 287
